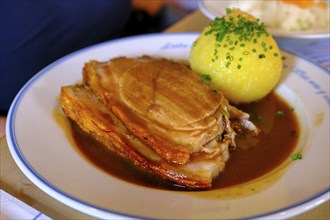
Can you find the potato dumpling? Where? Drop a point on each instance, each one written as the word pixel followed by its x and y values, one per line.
pixel 240 57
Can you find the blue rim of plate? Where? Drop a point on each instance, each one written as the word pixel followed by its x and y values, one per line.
pixel 38 180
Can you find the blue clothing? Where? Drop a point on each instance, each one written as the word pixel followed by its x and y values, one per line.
pixel 35 33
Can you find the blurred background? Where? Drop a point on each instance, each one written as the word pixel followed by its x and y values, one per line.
pixel 36 33
pixel 149 16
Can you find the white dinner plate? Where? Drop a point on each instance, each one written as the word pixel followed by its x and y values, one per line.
pixel 217 8
pixel 44 152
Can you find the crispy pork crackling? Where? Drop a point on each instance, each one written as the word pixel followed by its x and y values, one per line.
pixel 158 114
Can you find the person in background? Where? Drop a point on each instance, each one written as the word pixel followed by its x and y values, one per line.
pixel 35 33
pixel 151 16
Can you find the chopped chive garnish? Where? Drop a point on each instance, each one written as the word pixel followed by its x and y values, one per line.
pixel 296 156
pixel 229 57
pixel 206 78
pixel 215 90
pixel 255 117
pixel 280 113
pixel 237 29
pixel 262 56
pixel 241 26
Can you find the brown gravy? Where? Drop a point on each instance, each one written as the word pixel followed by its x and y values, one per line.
pixel 254 156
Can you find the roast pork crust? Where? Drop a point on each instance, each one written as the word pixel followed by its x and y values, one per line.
pixel 81 105
pixel 157 114
pixel 163 103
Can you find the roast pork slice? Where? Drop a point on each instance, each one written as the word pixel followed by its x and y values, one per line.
pixel 81 105
pixel 163 103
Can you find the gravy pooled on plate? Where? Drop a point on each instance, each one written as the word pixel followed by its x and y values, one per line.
pixel 252 158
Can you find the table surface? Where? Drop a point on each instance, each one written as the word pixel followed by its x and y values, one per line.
pixel 13 181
